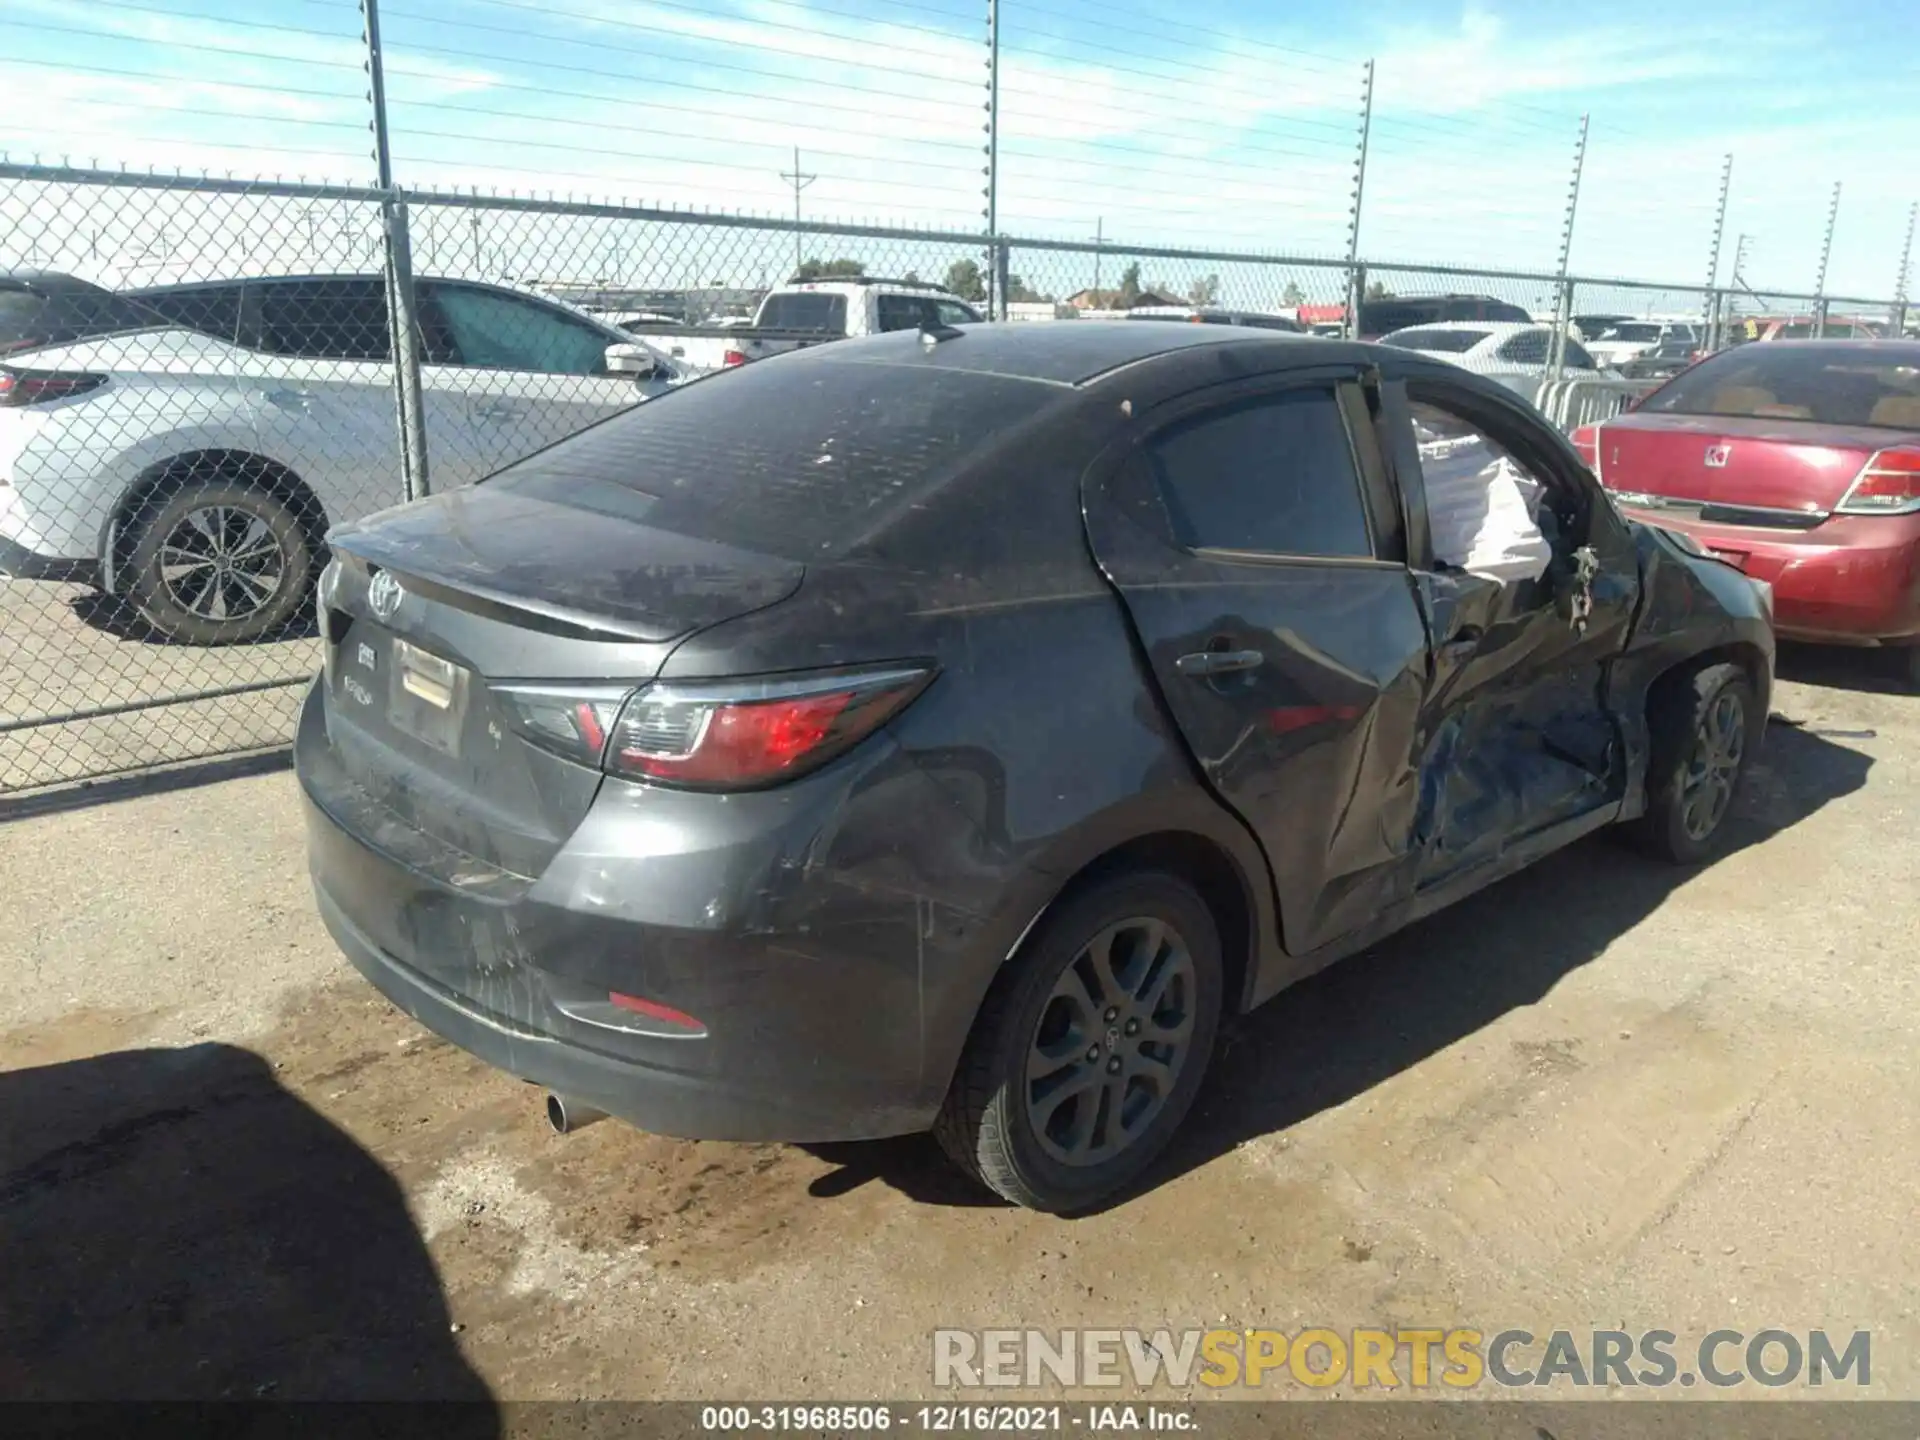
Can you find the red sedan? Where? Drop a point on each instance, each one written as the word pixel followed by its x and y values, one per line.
pixel 1800 464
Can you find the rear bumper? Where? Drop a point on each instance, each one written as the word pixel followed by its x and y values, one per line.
pixel 1852 579
pixel 816 991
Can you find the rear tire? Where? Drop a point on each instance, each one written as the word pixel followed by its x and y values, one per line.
pixel 1704 731
pixel 1090 1047
pixel 219 562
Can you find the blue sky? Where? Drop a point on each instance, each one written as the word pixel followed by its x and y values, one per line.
pixel 1226 124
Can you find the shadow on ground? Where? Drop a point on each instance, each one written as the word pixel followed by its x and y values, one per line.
pixel 119 617
pixel 1335 1036
pixel 1835 667
pixel 177 1226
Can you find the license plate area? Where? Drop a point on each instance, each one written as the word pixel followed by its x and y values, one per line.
pixel 427 697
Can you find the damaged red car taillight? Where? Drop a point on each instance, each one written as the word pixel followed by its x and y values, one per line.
pixel 741 735
pixel 713 735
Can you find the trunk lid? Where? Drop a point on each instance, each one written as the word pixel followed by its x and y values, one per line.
pixel 1735 462
pixel 438 613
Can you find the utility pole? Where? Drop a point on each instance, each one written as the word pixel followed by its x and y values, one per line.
pixel 1563 303
pixel 799 181
pixel 1356 279
pixel 1712 317
pixel 1826 249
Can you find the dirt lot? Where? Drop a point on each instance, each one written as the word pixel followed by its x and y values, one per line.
pixel 1603 1094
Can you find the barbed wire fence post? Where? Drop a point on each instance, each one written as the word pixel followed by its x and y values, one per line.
pixel 1714 320
pixel 1826 251
pixel 1356 272
pixel 1906 274
pixel 996 249
pixel 409 403
pixel 1563 284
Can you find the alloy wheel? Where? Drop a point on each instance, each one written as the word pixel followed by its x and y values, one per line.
pixel 1713 765
pixel 222 562
pixel 1112 1040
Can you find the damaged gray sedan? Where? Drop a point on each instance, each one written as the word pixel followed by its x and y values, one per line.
pixel 946 730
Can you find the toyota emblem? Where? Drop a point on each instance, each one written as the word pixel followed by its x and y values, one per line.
pixel 384 595
pixel 1718 455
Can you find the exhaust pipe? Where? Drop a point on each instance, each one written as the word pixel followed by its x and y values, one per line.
pixel 567 1115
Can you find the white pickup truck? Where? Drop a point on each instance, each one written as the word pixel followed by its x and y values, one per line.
pixel 808 312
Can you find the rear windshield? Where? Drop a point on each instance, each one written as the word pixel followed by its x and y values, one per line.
pixel 798 457
pixel 805 310
pixel 1800 382
pixel 1446 342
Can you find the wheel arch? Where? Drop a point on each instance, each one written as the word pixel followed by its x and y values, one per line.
pixel 163 478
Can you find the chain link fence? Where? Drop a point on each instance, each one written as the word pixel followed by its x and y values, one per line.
pixel 199 377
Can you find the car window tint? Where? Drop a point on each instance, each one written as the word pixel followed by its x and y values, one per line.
pixel 800 460
pixel 213 310
pixel 508 332
pixel 1442 342
pixel 1274 475
pixel 805 310
pixel 952 312
pixel 324 319
pixel 1798 382
pixel 1528 348
pixel 1577 357
pixel 904 312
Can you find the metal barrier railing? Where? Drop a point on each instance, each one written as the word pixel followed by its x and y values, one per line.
pixel 1585 400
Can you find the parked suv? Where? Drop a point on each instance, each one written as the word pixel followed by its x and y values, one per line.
pixel 195 465
pixel 948 731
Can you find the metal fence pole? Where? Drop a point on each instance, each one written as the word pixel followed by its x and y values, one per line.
pixel 1356 281
pixel 409 407
pixel 996 253
pixel 1712 314
pixel 1563 303
pixel 1826 249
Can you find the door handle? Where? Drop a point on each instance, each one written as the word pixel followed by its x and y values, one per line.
pixel 498 412
pixel 1202 663
pixel 288 399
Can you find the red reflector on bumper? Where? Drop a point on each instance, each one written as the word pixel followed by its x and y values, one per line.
pixel 654 1010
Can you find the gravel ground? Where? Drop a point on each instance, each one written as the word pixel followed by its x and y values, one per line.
pixel 1601 1094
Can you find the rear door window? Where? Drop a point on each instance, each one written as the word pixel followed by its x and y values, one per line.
pixel 805 310
pixel 344 319
pixel 1528 348
pixel 1273 476
pixel 904 312
pixel 511 332
pixel 211 309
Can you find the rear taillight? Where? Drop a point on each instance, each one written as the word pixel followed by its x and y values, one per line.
pixel 732 358
pixel 734 735
pixel 1586 439
pixel 36 387
pixel 740 736
pixel 1888 484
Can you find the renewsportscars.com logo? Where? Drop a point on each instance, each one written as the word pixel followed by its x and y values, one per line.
pixel 1414 1358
